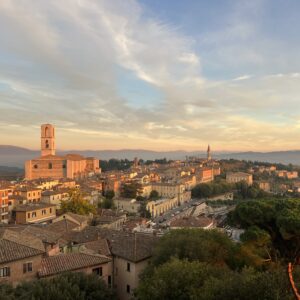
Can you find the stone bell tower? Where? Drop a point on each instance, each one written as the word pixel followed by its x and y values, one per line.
pixel 208 153
pixel 47 140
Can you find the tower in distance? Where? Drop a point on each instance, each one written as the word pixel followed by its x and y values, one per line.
pixel 208 153
pixel 47 140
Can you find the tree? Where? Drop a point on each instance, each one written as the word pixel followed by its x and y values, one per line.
pixel 131 190
pixel 77 204
pixel 144 212
pixel 182 279
pixel 7 292
pixel 242 188
pixel 107 203
pixel 153 195
pixel 211 246
pixel 279 217
pixel 69 286
pixel 202 190
pixel 176 279
pixel 109 194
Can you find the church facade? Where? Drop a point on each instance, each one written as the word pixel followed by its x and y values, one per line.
pixel 50 165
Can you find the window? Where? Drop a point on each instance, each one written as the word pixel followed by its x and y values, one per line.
pixel 47 144
pixel 27 267
pixel 33 214
pixel 109 280
pixel 28 215
pixel 5 272
pixel 128 267
pixel 128 289
pixel 43 211
pixel 98 271
pixel 35 166
pixel 50 210
pixel 50 166
pixel 64 166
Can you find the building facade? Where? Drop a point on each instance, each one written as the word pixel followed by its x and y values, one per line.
pixel 50 165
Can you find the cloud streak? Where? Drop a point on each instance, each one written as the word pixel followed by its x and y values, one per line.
pixel 60 62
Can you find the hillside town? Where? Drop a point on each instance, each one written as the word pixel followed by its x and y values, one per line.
pixel 68 215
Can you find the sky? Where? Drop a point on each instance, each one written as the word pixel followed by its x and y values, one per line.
pixel 151 74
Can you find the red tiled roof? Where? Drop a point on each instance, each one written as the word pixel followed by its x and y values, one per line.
pixel 68 262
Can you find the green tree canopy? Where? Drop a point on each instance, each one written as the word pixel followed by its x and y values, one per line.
pixel 279 217
pixel 153 195
pixel 110 194
pixel 69 286
pixel 182 279
pixel 211 246
pixel 131 190
pixel 77 204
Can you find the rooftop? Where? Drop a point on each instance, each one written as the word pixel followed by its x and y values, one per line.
pixel 69 262
pixel 33 206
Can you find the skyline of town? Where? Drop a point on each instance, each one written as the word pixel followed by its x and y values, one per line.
pixel 221 74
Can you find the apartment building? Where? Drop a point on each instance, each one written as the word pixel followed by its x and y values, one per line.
pixel 33 213
pixel 31 194
pixel 234 177
pixel 4 192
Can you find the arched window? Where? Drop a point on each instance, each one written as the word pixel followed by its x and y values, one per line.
pixel 47 144
pixel 35 166
pixel 46 132
pixel 50 166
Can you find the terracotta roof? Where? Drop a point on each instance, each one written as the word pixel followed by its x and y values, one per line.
pixel 133 247
pixel 62 226
pixel 15 245
pixel 74 157
pixel 24 239
pixel 42 233
pixel 88 234
pixel 11 251
pixel 78 218
pixel 33 206
pixel 68 262
pixel 99 246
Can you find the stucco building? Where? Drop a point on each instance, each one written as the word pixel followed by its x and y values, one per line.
pixel 50 165
pixel 235 177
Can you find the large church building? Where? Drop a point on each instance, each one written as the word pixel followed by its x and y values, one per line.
pixel 50 165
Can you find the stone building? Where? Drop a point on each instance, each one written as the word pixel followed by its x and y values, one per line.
pixel 234 177
pixel 50 165
pixel 3 205
pixel 34 213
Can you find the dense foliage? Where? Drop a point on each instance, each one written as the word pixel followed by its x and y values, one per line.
pixel 131 190
pixel 279 218
pixel 206 190
pixel 69 286
pixel 184 280
pixel 115 164
pixel 77 204
pixel 199 264
pixel 209 246
pixel 241 189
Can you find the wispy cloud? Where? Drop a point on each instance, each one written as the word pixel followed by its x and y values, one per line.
pixel 60 60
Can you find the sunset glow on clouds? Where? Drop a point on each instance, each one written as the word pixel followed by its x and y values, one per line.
pixel 159 75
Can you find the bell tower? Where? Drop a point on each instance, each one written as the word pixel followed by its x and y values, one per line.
pixel 208 153
pixel 47 140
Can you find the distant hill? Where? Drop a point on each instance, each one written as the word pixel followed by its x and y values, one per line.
pixel 284 157
pixel 16 156
pixel 10 173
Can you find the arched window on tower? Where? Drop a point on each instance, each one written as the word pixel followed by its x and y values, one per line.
pixel 50 166
pixel 47 144
pixel 46 131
